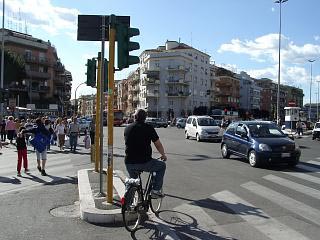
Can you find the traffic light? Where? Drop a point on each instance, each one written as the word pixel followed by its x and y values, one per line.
pixel 105 78
pixel 91 72
pixel 123 35
pixel 4 95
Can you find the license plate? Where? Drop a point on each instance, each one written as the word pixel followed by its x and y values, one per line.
pixel 285 154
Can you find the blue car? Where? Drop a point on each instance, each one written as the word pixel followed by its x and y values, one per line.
pixel 260 142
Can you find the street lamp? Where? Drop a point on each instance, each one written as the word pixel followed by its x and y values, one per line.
pixel 278 92
pixel 311 61
pixel 318 102
pixel 75 98
pixel 2 58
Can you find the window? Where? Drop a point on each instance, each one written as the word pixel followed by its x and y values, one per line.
pixel 241 130
pixel 231 129
pixel 189 120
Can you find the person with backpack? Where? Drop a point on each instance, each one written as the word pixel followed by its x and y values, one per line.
pixel 40 142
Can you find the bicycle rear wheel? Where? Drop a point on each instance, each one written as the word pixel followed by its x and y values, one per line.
pixel 130 209
pixel 155 203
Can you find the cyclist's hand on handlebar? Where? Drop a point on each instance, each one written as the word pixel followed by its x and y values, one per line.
pixel 163 157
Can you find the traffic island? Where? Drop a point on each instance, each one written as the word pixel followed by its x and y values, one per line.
pixel 93 207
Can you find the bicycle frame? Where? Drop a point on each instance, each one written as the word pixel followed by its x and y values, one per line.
pixel 146 191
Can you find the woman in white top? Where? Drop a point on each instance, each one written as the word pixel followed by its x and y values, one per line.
pixel 60 131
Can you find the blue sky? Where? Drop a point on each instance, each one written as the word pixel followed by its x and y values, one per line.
pixel 241 35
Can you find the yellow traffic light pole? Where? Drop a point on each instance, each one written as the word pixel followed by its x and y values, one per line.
pixel 112 36
pixel 98 114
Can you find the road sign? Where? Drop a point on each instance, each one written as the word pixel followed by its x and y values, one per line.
pixel 90 26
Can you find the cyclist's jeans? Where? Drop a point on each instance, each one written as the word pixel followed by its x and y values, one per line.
pixel 154 165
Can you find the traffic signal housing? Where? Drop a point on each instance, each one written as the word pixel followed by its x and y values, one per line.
pixel 123 35
pixel 91 72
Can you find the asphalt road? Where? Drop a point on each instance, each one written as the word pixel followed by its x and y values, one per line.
pixel 207 197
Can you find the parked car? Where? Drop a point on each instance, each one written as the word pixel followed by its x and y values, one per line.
pixel 316 131
pixel 259 142
pixel 202 128
pixel 157 122
pixel 181 123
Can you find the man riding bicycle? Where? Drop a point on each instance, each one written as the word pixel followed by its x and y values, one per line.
pixel 138 136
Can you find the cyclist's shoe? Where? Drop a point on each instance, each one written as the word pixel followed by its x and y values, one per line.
pixel 156 194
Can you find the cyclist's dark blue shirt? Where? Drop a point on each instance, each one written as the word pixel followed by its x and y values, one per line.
pixel 138 137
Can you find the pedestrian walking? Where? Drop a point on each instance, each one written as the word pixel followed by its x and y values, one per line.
pixel 40 141
pixel 92 129
pixel 10 128
pixel 74 134
pixel 3 130
pixel 299 128
pixel 22 151
pixel 60 131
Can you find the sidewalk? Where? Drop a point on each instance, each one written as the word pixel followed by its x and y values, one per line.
pixel 95 209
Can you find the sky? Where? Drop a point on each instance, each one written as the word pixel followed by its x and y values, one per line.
pixel 241 35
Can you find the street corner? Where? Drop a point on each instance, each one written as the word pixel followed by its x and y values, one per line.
pixel 94 207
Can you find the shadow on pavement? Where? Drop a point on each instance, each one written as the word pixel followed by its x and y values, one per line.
pixel 13 180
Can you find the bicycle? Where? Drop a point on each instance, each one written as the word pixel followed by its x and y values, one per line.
pixel 136 201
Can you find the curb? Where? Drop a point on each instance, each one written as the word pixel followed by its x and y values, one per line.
pixel 88 210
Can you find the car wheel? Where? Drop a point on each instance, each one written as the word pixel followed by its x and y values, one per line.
pixel 178 126
pixel 253 160
pixel 198 138
pixel 187 135
pixel 224 151
pixel 165 126
pixel 293 163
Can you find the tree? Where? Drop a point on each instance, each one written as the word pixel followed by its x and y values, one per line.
pixel 14 68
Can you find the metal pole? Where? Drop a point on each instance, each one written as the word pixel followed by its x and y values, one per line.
pixel 2 57
pixel 279 71
pixel 311 61
pixel 112 35
pixel 98 123
pixel 103 32
pixel 318 103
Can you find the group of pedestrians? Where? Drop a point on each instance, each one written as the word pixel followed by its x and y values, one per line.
pixel 37 133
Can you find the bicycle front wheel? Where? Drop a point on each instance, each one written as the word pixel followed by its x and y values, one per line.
pixel 155 203
pixel 130 209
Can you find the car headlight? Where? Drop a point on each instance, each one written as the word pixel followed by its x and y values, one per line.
pixel 296 147
pixel 264 147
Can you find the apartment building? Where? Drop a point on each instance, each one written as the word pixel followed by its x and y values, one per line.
pixel 250 93
pixel 226 88
pixel 174 80
pixel 47 84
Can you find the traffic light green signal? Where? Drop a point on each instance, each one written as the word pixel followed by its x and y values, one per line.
pixel 124 33
pixel 91 72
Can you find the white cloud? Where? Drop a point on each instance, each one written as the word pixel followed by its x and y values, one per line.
pixel 317 38
pixel 42 14
pixel 265 48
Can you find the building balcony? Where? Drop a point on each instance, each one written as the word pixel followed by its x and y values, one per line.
pixel 178 68
pixel 135 99
pixel 180 81
pixel 39 61
pixel 223 84
pixel 36 74
pixel 151 71
pixel 150 81
pixel 177 94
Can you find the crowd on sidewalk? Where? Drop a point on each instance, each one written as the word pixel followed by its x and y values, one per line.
pixel 40 133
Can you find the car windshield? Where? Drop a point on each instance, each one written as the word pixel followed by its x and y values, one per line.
pixel 317 125
pixel 206 122
pixel 265 131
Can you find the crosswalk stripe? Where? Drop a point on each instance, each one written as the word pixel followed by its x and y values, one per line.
pixel 295 186
pixel 168 233
pixel 204 221
pixel 304 176
pixel 295 206
pixel 257 218
pixel 32 165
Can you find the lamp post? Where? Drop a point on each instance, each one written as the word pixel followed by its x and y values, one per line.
pixel 2 57
pixel 318 102
pixel 311 61
pixel 75 98
pixel 278 92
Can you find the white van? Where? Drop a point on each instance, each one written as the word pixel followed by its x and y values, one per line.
pixel 202 128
